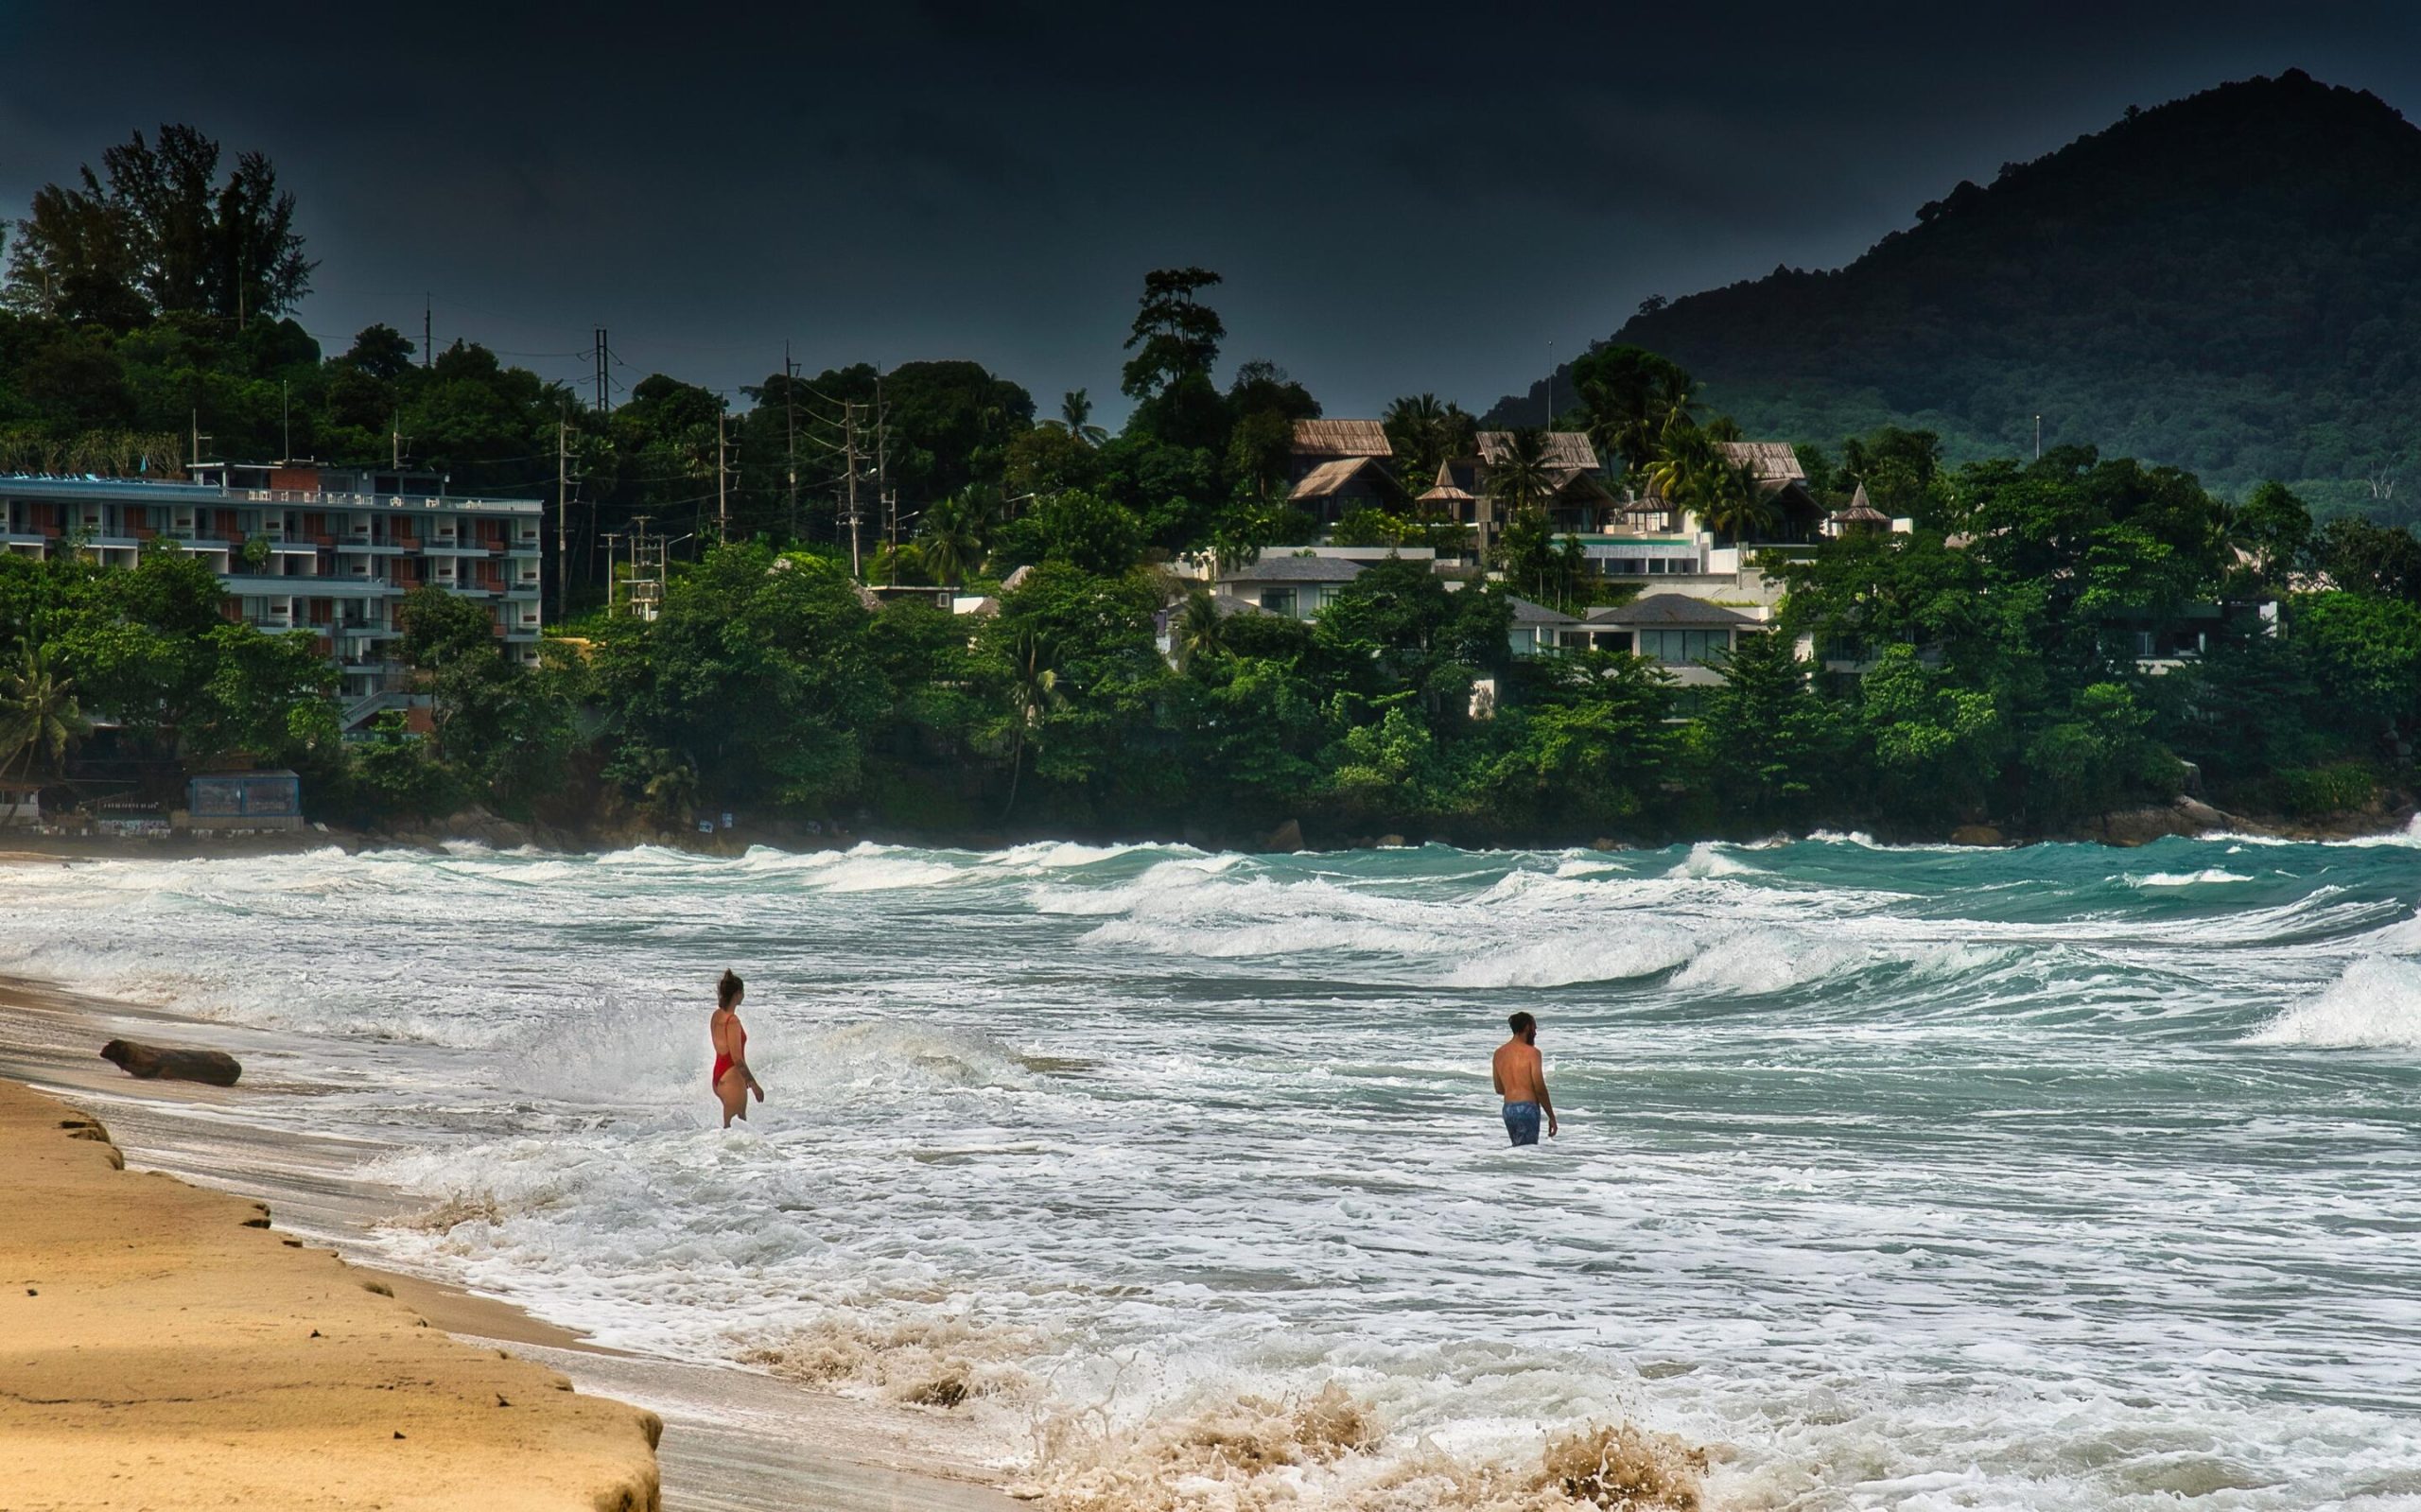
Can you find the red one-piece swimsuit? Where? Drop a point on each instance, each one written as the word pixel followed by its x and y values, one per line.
pixel 722 1062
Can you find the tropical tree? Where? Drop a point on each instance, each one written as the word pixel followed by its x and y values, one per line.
pixel 1200 629
pixel 1518 476
pixel 157 233
pixel 1689 469
pixel 37 711
pixel 1426 433
pixel 1076 418
pixel 1735 505
pixel 951 543
pixel 1631 396
pixel 1032 694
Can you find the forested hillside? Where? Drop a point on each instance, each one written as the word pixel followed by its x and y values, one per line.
pixel 2229 283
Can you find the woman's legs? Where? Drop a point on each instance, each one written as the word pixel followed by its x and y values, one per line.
pixel 733 1093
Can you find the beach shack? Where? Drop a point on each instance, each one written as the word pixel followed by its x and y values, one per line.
pixel 245 800
pixel 20 804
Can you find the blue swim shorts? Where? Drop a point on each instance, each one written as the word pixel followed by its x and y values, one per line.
pixel 1521 1122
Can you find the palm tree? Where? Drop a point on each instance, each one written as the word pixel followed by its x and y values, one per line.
pixel 1034 692
pixel 1518 476
pixel 1075 418
pixel 1426 432
pixel 1688 471
pixel 1630 396
pixel 1737 505
pixel 951 543
pixel 37 711
pixel 1201 629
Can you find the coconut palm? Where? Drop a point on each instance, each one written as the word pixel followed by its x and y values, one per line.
pixel 37 711
pixel 1075 418
pixel 1426 432
pixel 1200 629
pixel 1034 692
pixel 1689 471
pixel 1518 476
pixel 950 544
pixel 1630 396
pixel 1738 506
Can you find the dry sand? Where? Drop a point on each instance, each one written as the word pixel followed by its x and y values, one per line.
pixel 733 1440
pixel 162 1347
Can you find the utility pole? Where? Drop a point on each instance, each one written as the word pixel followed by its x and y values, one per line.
pixel 397 436
pixel 723 478
pixel 605 354
pixel 563 518
pixel 2038 438
pixel 428 324
pixel 790 431
pixel 611 537
pixel 198 438
pixel 849 437
pixel 883 497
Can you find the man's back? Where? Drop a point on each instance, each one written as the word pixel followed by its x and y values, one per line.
pixel 1518 1071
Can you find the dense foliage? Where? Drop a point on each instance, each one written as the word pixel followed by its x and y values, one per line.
pixel 2223 284
pixel 2050 640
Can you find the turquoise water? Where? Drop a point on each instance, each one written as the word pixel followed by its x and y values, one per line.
pixel 2058 1178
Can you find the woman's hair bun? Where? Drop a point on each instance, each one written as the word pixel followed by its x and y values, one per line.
pixel 727 988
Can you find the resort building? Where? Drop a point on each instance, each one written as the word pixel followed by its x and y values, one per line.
pixel 325 551
pixel 1335 466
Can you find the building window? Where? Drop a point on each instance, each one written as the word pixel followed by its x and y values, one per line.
pixel 1278 600
pixel 1682 647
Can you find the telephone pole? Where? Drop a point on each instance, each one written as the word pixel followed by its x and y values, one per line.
pixel 849 436
pixel 605 354
pixel 790 431
pixel 612 537
pixel 723 478
pixel 427 323
pixel 883 496
pixel 563 518
pixel 396 437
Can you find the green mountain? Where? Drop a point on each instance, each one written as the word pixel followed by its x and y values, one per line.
pixel 2230 283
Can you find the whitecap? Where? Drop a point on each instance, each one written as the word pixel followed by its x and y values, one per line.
pixel 2374 1004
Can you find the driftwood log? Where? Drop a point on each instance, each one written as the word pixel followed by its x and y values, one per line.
pixel 150 1062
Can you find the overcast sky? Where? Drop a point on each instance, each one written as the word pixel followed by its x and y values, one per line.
pixel 1405 198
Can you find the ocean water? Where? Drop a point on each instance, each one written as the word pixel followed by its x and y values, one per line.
pixel 2060 1177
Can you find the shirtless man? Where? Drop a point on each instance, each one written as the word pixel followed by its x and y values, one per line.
pixel 1522 1080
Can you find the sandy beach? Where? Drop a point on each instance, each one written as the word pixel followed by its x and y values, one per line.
pixel 167 1347
pixel 331 1384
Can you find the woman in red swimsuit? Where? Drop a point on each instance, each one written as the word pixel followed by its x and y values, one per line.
pixel 733 1079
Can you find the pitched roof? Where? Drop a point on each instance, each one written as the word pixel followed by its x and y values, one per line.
pixel 1776 462
pixel 1564 448
pixel 1661 609
pixel 1331 477
pixel 1342 438
pixel 1296 569
pixel 1444 490
pixel 1860 511
pixel 1526 613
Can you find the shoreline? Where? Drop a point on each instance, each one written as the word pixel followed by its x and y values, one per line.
pixel 723 1438
pixel 166 1346
pixel 2119 829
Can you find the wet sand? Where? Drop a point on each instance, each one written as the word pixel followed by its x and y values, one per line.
pixel 732 1440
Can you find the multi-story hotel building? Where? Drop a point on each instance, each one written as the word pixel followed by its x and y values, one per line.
pixel 329 551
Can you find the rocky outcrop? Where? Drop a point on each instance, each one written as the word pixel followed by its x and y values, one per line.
pixel 171 1063
pixel 1978 835
pixel 1286 837
pixel 2186 818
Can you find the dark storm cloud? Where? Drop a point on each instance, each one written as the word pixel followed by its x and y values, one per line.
pixel 1402 197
